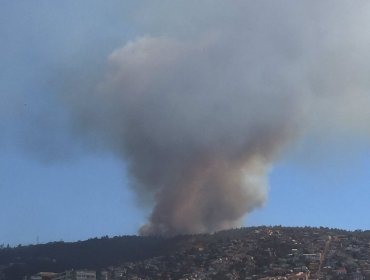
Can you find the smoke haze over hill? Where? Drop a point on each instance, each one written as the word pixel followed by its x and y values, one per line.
pixel 203 101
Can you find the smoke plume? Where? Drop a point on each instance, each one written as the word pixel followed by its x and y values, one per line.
pixel 202 106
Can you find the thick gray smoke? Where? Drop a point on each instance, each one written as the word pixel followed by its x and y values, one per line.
pixel 201 110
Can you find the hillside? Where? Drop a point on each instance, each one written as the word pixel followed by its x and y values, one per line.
pixel 259 251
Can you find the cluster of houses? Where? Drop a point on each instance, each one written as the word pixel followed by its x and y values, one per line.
pixel 268 253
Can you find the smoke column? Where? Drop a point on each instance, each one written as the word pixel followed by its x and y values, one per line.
pixel 200 112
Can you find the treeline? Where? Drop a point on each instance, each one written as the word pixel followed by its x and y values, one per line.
pixel 93 254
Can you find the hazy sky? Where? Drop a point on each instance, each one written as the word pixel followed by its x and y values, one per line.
pixel 58 184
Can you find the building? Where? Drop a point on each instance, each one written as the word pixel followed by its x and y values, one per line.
pixel 41 276
pixel 76 275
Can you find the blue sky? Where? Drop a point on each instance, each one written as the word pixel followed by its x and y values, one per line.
pixel 68 193
pixel 67 199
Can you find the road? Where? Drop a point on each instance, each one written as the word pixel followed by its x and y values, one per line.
pixel 323 255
